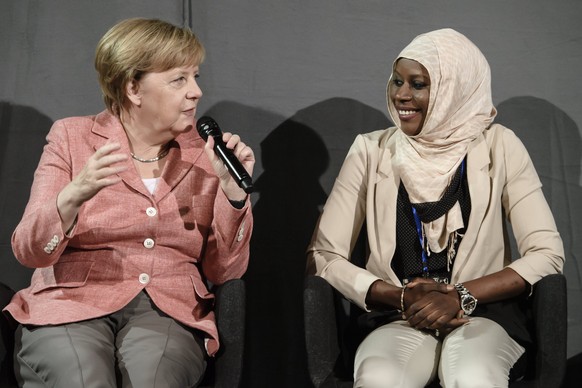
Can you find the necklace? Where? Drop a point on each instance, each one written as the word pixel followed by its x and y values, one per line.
pixel 161 155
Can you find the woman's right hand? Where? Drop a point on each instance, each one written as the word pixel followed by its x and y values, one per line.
pixel 99 172
pixel 432 305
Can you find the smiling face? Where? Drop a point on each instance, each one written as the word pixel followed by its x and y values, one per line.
pixel 165 102
pixel 409 91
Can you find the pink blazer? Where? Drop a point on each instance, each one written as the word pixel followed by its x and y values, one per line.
pixel 125 239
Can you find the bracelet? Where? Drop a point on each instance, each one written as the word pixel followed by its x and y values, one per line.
pixel 402 301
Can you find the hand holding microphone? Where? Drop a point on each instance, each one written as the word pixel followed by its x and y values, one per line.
pixel 207 127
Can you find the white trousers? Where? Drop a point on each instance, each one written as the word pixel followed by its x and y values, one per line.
pixel 477 354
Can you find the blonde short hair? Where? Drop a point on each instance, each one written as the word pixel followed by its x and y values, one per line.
pixel 137 46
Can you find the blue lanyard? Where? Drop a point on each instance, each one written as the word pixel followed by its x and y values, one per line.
pixel 421 239
pixel 424 256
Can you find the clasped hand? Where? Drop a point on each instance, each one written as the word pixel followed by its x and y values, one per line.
pixel 432 305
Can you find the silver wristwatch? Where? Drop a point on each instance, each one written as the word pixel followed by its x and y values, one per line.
pixel 468 301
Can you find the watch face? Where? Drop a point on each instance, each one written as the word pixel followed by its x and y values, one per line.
pixel 468 303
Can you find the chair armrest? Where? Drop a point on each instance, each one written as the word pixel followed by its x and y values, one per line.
pixel 550 319
pixel 229 309
pixel 321 338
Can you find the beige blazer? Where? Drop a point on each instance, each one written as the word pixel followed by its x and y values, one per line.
pixel 125 239
pixel 502 182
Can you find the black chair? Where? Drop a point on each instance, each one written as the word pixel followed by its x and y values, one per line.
pixel 331 335
pixel 224 370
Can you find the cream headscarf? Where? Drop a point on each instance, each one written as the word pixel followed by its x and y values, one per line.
pixel 460 108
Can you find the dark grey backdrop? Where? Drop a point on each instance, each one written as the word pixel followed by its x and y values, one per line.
pixel 298 80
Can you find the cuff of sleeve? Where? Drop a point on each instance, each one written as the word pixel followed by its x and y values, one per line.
pixel 238 204
pixel 69 232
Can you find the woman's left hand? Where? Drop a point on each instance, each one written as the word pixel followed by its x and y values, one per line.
pixel 433 310
pixel 243 152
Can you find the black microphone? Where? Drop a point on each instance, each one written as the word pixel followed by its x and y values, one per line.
pixel 206 126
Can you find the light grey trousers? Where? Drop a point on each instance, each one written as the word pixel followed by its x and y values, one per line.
pixel 477 354
pixel 138 346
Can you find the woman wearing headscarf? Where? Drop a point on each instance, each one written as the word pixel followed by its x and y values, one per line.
pixel 433 194
pixel 130 215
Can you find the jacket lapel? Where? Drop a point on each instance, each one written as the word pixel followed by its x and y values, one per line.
pixel 478 162
pixel 183 153
pixel 181 159
pixel 387 183
pixel 109 129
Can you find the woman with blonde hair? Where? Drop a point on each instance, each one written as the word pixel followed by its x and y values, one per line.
pixel 130 214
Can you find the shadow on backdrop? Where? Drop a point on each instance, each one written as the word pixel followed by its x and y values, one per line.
pixel 23 132
pixel 553 141
pixel 290 196
pixel 291 193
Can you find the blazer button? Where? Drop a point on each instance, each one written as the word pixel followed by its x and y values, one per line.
pixel 144 278
pixel 148 243
pixel 151 211
pixel 241 232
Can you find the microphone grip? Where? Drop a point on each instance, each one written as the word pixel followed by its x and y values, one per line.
pixel 206 126
pixel 233 165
